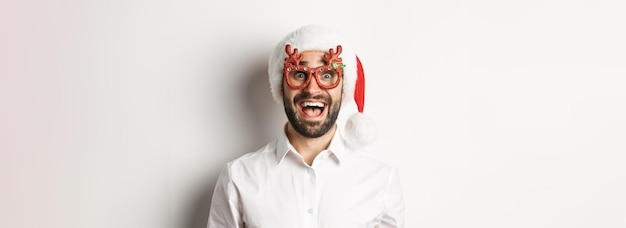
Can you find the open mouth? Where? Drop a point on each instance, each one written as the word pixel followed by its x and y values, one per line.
pixel 312 108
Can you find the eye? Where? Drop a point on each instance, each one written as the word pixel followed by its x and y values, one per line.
pixel 300 75
pixel 327 75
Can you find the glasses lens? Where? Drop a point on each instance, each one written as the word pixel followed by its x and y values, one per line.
pixel 298 78
pixel 327 77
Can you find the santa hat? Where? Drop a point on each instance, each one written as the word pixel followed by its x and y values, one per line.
pixel 359 130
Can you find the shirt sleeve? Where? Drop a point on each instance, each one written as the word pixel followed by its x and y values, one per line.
pixel 225 209
pixel 393 216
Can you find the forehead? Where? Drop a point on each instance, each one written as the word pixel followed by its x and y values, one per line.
pixel 312 58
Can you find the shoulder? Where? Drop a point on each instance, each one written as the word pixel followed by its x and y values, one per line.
pixel 252 160
pixel 374 164
pixel 369 156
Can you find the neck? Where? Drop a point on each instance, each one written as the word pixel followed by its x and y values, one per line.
pixel 308 148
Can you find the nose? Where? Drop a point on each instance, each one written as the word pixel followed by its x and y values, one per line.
pixel 313 87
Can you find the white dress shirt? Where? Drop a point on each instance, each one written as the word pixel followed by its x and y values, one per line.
pixel 274 188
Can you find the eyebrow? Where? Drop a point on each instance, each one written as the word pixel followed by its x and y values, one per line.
pixel 306 62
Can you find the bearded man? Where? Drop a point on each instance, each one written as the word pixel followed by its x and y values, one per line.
pixel 317 173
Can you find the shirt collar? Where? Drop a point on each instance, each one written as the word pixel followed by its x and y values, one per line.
pixel 282 147
pixel 336 147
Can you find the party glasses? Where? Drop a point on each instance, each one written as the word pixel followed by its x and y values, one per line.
pixel 327 76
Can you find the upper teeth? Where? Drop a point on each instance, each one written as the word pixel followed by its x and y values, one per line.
pixel 315 104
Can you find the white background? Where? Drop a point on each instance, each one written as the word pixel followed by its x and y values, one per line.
pixel 498 113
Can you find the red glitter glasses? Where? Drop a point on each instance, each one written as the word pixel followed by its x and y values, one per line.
pixel 327 76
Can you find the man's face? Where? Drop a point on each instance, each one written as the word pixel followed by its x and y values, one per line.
pixel 312 111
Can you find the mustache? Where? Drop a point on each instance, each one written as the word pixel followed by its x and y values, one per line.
pixel 307 95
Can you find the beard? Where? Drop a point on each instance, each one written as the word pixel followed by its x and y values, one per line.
pixel 311 129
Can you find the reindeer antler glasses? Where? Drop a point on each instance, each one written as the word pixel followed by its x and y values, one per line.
pixel 327 76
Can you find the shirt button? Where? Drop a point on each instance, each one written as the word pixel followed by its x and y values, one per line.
pixel 310 211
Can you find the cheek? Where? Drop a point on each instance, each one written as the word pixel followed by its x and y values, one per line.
pixel 338 93
pixel 288 94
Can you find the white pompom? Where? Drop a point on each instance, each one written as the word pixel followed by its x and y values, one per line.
pixel 360 130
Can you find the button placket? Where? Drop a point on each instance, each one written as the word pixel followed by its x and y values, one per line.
pixel 310 198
